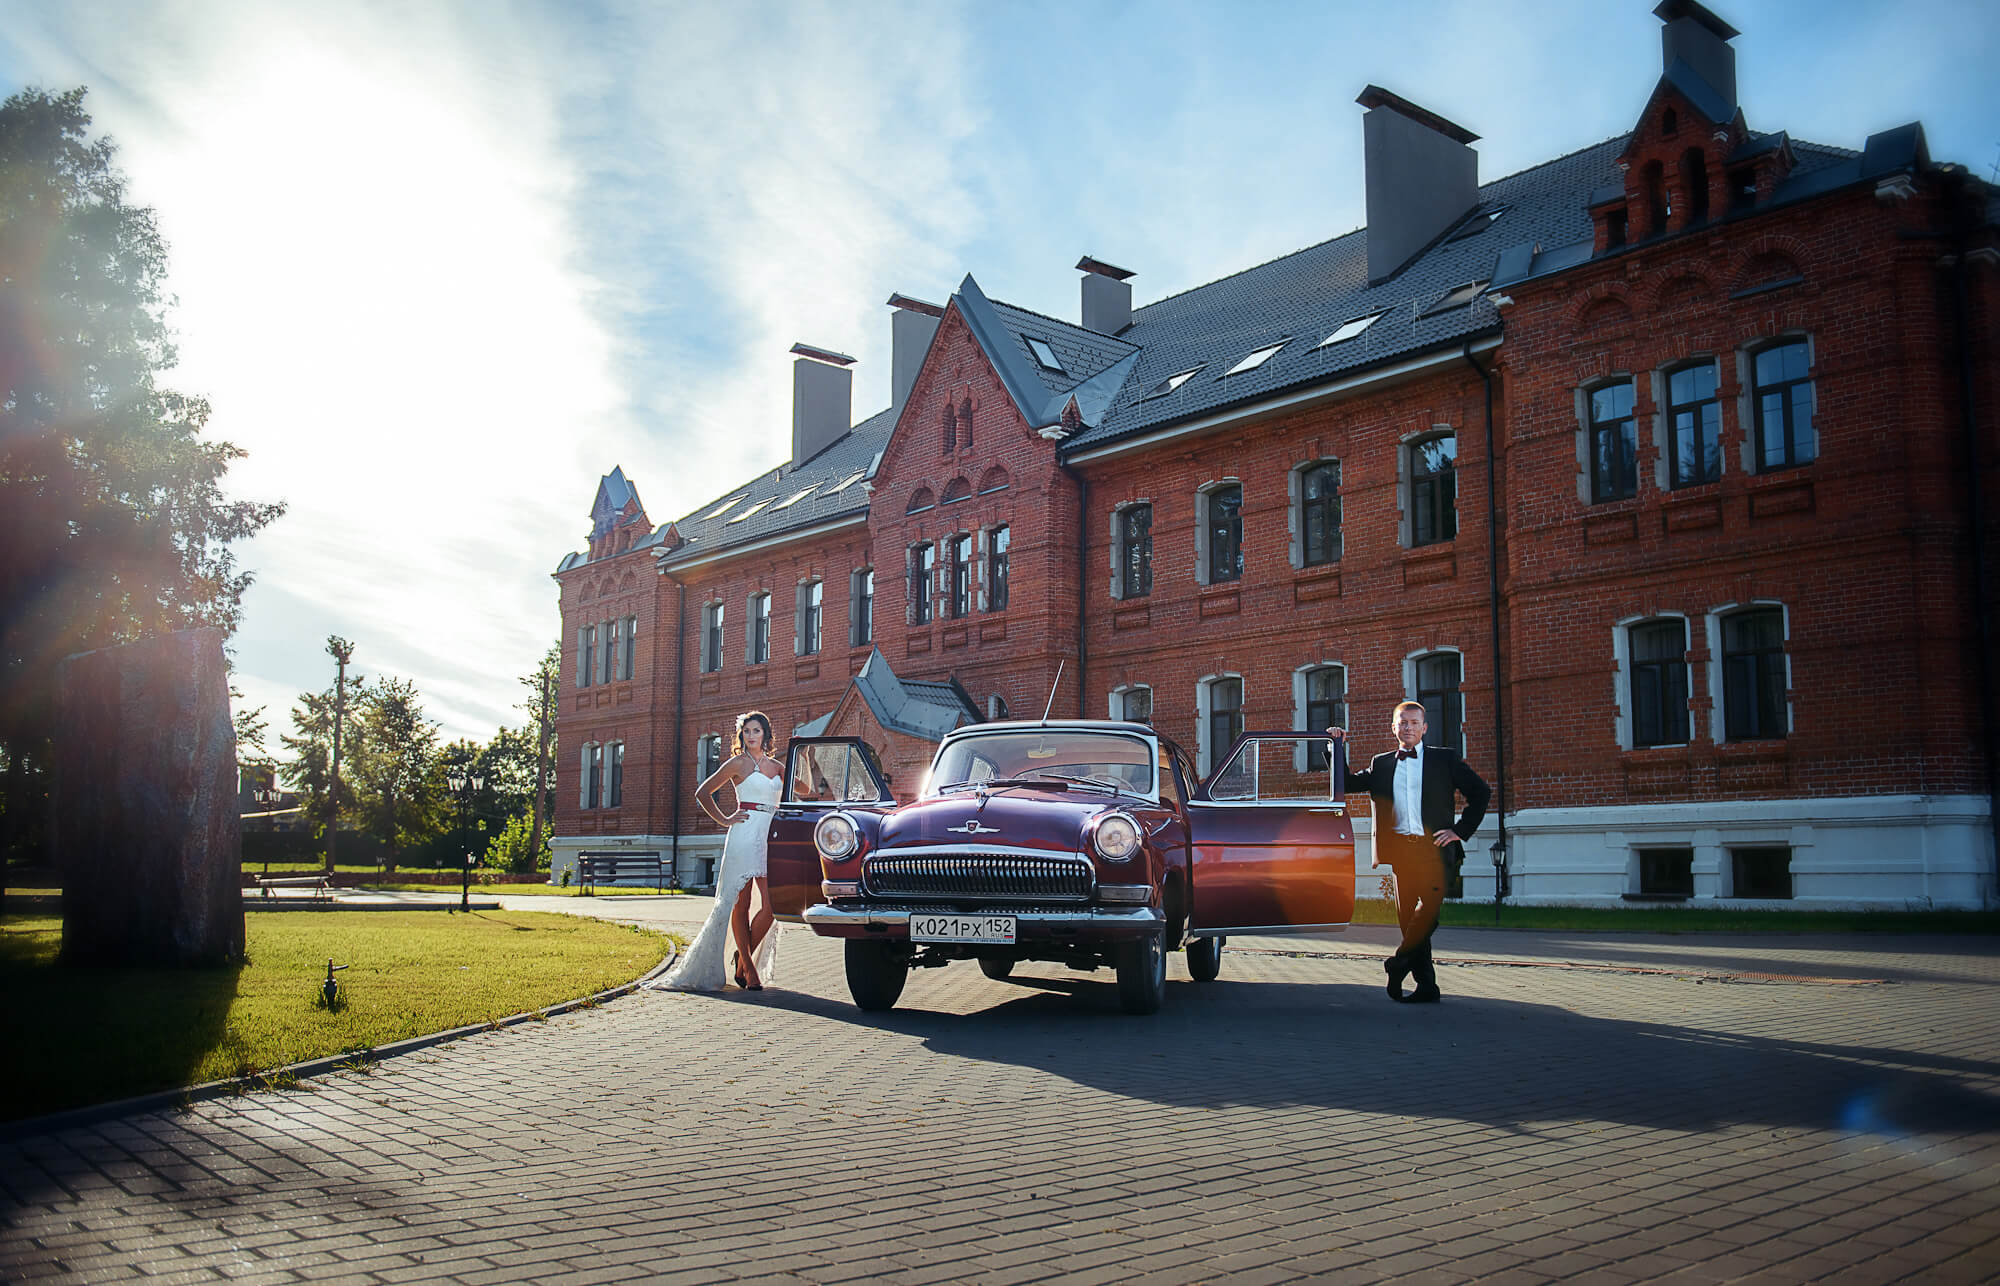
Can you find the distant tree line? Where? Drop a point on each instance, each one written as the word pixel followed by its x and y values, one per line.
pixel 395 776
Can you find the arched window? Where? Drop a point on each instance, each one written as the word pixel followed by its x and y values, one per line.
pixel 1658 692
pixel 861 607
pixel 1694 180
pixel 1219 703
pixel 955 490
pixel 949 434
pixel 998 542
pixel 1219 531
pixel 1614 442
pixel 1319 693
pixel 1432 464
pixel 1319 513
pixel 1437 678
pixel 1132 703
pixel 1658 208
pixel 806 621
pixel 965 423
pixel 1754 674
pixel 994 479
pixel 920 500
pixel 923 565
pixel 1694 426
pixel 1781 405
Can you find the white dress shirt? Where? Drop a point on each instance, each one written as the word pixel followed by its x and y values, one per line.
pixel 1409 794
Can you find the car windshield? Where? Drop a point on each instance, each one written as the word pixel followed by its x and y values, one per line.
pixel 1058 757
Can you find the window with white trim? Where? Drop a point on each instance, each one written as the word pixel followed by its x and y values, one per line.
pixel 1132 703
pixel 1437 676
pixel 707 756
pixel 586 656
pixel 1219 710
pixel 923 569
pixel 757 631
pixel 1754 684
pixel 1431 464
pixel 806 618
pixel 958 570
pixel 1658 692
pixel 711 638
pixel 1316 521
pixel 1219 533
pixel 998 542
pixel 861 607
pixel 593 772
pixel 631 643
pixel 1132 551
pixel 1319 702
pixel 615 783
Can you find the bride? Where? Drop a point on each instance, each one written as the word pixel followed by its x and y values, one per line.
pixel 750 943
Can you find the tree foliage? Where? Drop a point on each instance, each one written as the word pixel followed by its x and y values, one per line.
pixel 395 766
pixel 113 522
pixel 308 762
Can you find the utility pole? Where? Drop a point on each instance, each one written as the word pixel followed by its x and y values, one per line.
pixel 544 710
pixel 342 652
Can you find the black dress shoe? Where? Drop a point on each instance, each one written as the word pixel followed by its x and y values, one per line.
pixel 1397 969
pixel 1425 994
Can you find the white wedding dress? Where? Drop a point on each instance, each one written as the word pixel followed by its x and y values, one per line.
pixel 744 858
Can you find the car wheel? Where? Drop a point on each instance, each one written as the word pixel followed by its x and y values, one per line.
pixel 875 975
pixel 1142 975
pixel 1204 959
pixel 998 970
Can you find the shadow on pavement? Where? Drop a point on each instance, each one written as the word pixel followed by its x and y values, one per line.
pixel 1515 1065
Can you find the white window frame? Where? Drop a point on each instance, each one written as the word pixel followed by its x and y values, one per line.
pixel 802 601
pixel 1115 708
pixel 586 656
pixel 1718 726
pixel 1295 511
pixel 1204 762
pixel 585 800
pixel 1410 660
pixel 1621 653
pixel 1201 551
pixel 713 621
pixel 750 605
pixel 1300 677
pixel 701 771
pixel 630 658
pixel 614 771
pixel 1116 585
pixel 855 581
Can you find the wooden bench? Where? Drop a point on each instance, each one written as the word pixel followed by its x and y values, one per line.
pixel 593 869
pixel 322 888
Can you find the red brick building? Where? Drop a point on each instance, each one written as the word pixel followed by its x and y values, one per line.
pixel 1654 470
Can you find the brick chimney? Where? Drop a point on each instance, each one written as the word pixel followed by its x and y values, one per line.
pixel 1422 177
pixel 1107 296
pixel 822 399
pixel 910 332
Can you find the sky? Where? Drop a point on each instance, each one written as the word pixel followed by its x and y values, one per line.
pixel 439 267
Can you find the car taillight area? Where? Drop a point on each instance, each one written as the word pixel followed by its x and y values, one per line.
pixel 972 875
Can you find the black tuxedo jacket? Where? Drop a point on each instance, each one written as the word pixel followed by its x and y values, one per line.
pixel 1445 774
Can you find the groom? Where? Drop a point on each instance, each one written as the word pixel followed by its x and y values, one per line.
pixel 1413 787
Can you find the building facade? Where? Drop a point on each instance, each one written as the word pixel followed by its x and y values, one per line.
pixel 1662 472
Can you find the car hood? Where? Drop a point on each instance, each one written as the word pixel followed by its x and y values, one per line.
pixel 1014 817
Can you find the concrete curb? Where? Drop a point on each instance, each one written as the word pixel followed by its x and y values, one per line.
pixel 54 1121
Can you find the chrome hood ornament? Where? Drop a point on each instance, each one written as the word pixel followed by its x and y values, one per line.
pixel 973 826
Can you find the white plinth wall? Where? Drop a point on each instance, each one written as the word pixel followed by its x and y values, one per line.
pixel 699 855
pixel 1902 852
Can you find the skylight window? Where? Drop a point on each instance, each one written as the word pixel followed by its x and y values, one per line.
pixel 1457 297
pixel 1349 329
pixel 722 508
pixel 1252 361
pixel 1171 383
pixel 1045 357
pixel 793 499
pixel 1477 222
pixel 847 482
pixel 749 512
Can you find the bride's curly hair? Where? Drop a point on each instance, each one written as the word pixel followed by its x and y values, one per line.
pixel 764 722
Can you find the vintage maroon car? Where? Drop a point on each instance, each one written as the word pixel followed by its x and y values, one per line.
pixel 1084 842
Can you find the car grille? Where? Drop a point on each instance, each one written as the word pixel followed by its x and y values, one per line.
pixel 979 876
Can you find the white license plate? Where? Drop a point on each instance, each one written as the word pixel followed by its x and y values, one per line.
pixel 997 929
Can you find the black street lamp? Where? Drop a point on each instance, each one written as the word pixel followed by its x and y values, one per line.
pixel 465 783
pixel 265 797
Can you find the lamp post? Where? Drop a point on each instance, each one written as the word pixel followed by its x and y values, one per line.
pixel 465 783
pixel 265 797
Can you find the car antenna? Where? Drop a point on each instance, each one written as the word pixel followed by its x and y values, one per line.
pixel 1052 692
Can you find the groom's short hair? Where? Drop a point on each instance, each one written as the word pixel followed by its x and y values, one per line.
pixel 1401 706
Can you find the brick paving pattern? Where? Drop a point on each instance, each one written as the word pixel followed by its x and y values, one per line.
pixel 1645 1109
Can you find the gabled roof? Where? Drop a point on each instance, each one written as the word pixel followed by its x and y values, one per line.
pixel 788 498
pixel 915 707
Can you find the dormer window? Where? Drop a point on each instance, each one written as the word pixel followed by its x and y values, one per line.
pixel 1045 356
pixel 1456 297
pixel 1252 360
pixel 1171 383
pixel 1349 329
pixel 1478 221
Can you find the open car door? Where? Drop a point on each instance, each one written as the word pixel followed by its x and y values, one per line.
pixel 821 774
pixel 1273 846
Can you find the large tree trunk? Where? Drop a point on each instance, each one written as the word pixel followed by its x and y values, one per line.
pixel 145 824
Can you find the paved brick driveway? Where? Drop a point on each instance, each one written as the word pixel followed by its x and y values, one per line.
pixel 1643 1111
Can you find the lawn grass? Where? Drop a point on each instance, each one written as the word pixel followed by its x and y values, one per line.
pixel 81 1036
pixel 1676 919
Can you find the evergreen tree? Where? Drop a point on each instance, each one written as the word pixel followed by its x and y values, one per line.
pixel 395 767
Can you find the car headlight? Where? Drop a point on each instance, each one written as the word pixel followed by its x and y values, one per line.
pixel 836 836
pixel 1115 837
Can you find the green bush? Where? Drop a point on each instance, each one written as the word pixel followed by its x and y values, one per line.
pixel 512 851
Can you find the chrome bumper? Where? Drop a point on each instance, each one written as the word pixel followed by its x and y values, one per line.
pixel 1081 921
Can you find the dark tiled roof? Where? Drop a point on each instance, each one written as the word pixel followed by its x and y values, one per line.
pixel 707 532
pixel 916 707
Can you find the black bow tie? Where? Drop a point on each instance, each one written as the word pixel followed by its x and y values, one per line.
pixel 1406 754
